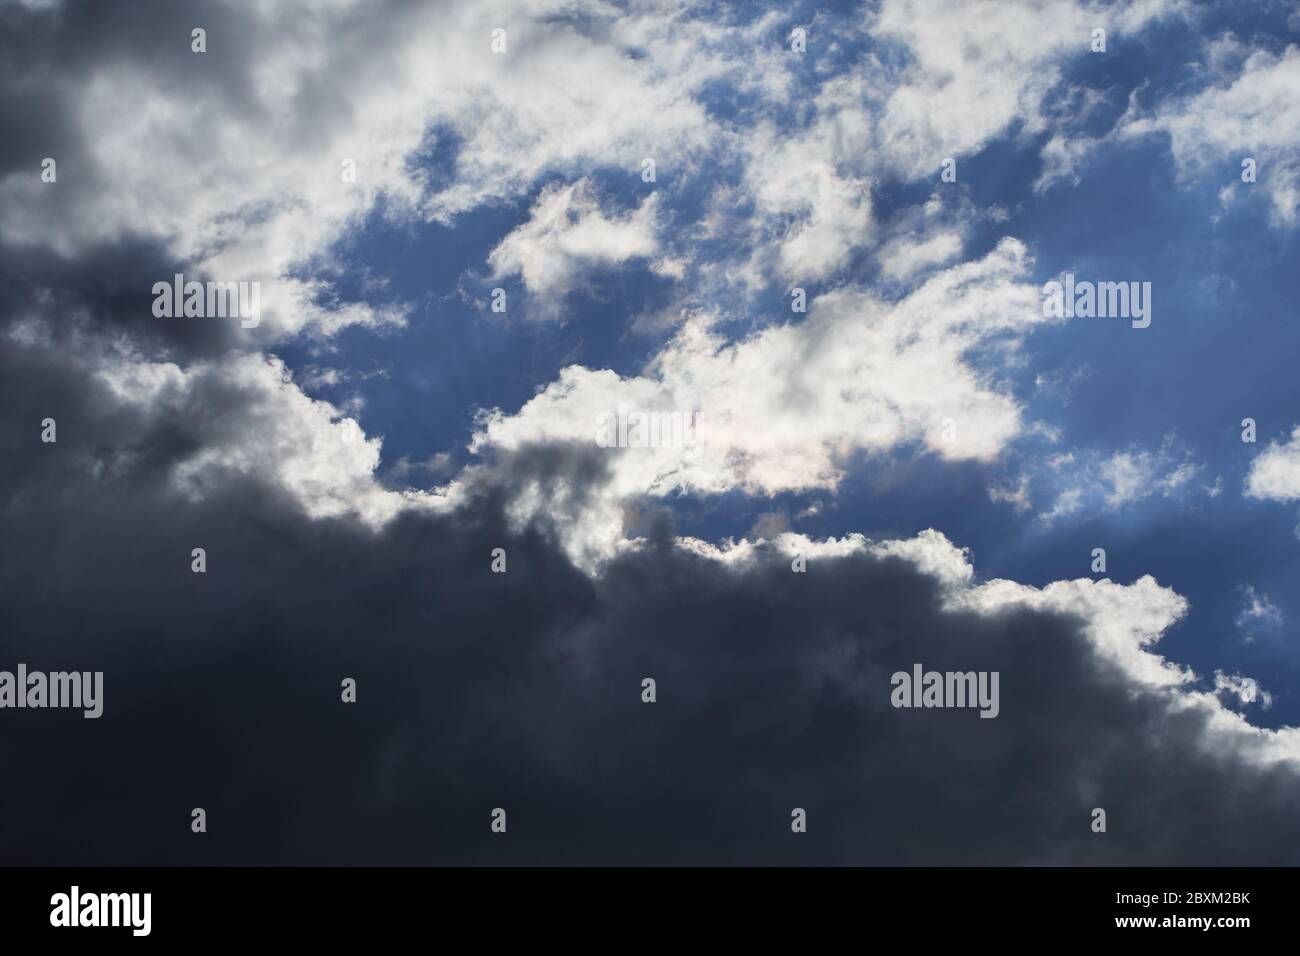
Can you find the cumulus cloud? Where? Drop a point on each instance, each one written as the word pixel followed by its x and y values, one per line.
pixel 902 259
pixel 964 76
pixel 567 235
pixel 523 689
pixel 517 689
pixel 977 68
pixel 1275 472
pixel 237 163
pixel 301 121
pixel 1254 114
pixel 242 417
pixel 230 161
pixel 814 212
pixel 784 409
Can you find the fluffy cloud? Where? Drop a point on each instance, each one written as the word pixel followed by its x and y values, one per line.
pixel 966 75
pixel 976 68
pixel 783 409
pixel 812 212
pixel 1275 472
pixel 242 416
pixel 903 259
pixel 1122 623
pixel 566 235
pixel 517 689
pixel 231 162
pixel 522 689
pixel 1254 115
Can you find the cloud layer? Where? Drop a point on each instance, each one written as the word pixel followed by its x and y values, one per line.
pixel 780 175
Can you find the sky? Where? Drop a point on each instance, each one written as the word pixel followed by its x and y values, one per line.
pixel 826 235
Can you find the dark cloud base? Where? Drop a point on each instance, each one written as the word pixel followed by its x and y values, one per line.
pixel 522 691
pixel 479 690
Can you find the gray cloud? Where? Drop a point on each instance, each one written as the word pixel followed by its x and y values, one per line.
pixel 521 690
pixel 476 690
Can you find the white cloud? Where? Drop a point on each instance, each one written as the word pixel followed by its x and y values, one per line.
pixel 819 213
pixel 243 180
pixel 1275 472
pixel 1116 480
pixel 972 71
pixel 979 67
pixel 783 409
pixel 240 417
pixel 1063 159
pixel 1017 496
pixel 1123 623
pixel 1256 115
pixel 1245 689
pixel 622 89
pixel 267 430
pixel 904 258
pixel 567 235
pixel 1258 612
pixel 1131 476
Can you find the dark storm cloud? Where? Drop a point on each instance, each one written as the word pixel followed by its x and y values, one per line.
pixel 522 690
pixel 478 690
pixel 110 286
